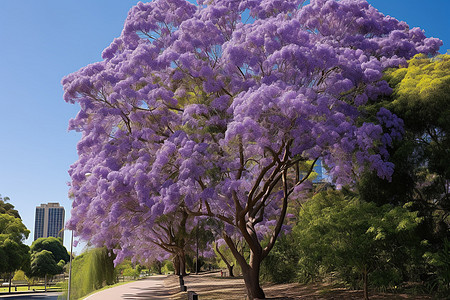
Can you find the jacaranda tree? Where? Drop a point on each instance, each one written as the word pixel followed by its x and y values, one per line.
pixel 212 107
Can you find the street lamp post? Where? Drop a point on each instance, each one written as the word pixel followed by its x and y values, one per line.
pixel 70 267
pixel 71 254
pixel 196 259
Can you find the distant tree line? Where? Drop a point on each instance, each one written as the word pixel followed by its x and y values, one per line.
pixel 46 256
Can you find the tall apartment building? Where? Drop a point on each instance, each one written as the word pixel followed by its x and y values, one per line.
pixel 319 170
pixel 320 175
pixel 49 221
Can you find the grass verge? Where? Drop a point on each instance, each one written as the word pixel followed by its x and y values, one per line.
pixel 4 290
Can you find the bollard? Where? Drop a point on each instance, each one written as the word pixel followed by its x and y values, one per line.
pixel 192 295
pixel 183 288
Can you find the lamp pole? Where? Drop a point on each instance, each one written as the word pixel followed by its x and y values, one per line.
pixel 196 259
pixel 71 254
pixel 70 267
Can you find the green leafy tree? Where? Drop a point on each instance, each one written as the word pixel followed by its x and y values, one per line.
pixel 167 267
pixel 422 94
pixel 48 257
pixel 422 162
pixel 43 263
pixel 7 208
pixel 52 244
pixel 354 238
pixel 13 253
pixel 155 266
pixel 422 99
pixel 127 268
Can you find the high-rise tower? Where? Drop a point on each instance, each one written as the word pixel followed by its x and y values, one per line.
pixel 49 221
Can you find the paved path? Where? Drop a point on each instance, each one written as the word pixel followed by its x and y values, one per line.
pixel 150 288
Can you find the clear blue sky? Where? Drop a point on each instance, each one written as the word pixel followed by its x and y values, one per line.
pixel 42 41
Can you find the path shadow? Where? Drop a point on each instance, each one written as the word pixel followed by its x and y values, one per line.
pixel 148 293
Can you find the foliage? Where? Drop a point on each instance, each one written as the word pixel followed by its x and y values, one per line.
pixel 155 267
pixel 101 267
pixel 167 267
pixel 281 265
pixel 422 173
pixel 355 239
pixel 61 264
pixel 200 108
pixel 92 270
pixel 422 98
pixel 422 95
pixel 52 244
pixel 131 272
pixel 225 258
pixel 13 253
pixel 43 263
pixel 48 257
pixel 127 268
pixel 201 239
pixel 440 260
pixel 7 208
pixel 19 275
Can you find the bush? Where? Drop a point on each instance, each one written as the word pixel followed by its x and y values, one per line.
pixel 167 267
pixel 355 239
pixel 439 261
pixel 156 267
pixel 91 271
pixel 280 265
pixel 131 272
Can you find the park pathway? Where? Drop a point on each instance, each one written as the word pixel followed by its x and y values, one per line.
pixel 150 288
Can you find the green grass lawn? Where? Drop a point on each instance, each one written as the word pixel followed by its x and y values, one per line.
pixel 25 288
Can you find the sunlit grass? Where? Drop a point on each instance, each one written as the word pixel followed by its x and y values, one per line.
pixel 5 289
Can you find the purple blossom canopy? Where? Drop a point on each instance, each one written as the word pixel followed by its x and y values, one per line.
pixel 210 106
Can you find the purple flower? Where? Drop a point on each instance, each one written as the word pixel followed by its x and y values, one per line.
pixel 196 110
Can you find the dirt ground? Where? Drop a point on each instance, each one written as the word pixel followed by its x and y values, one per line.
pixel 210 286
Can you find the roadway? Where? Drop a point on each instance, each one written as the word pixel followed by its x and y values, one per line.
pixel 36 296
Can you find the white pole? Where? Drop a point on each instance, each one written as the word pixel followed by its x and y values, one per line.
pixel 70 267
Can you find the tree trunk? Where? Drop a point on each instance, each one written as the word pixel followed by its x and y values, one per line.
pixel 229 266
pixel 230 270
pixel 45 283
pixel 366 289
pixel 158 265
pixel 176 264
pixel 251 278
pixel 10 278
pixel 182 259
pixel 249 270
